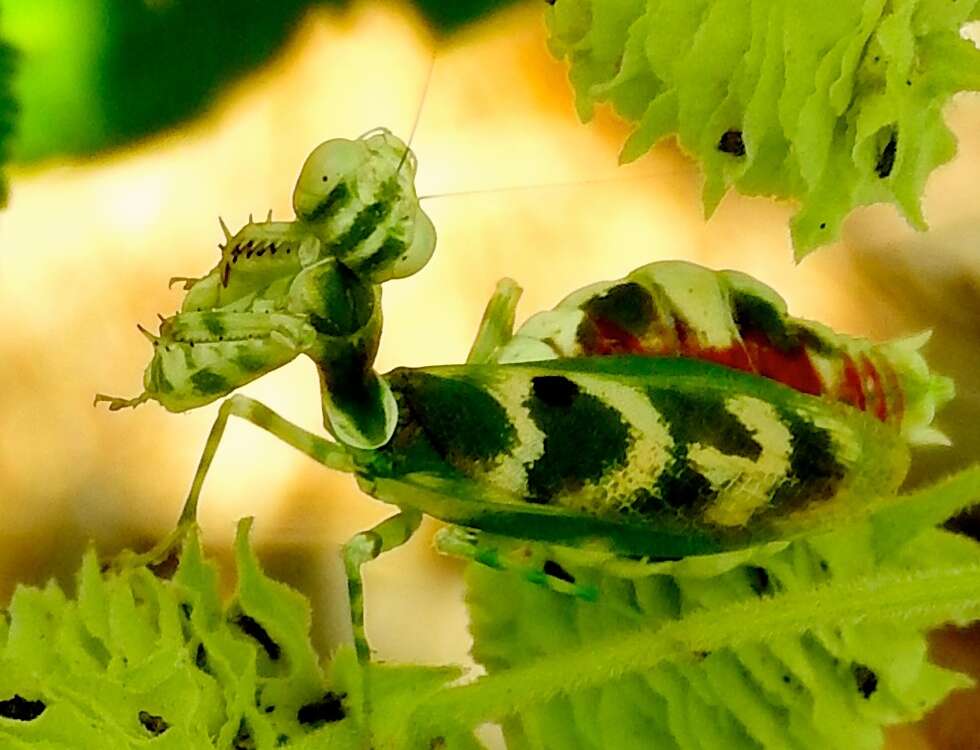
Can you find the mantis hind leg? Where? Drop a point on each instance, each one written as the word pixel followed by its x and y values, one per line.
pixel 330 454
pixel 530 560
pixel 365 547
pixel 497 325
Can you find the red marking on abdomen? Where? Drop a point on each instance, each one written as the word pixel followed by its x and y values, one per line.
pixel 893 390
pixel 850 391
pixel 612 339
pixel 736 357
pixel 871 376
pixel 793 368
pixel 756 354
pixel 733 356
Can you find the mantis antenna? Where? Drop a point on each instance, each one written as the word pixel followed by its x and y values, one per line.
pixel 551 185
pixel 418 112
pixel 484 191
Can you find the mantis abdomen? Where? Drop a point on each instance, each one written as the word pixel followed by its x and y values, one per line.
pixel 681 309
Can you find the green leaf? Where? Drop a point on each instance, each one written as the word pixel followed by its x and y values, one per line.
pixel 831 106
pixel 815 643
pixel 135 660
pixel 8 111
pixel 116 70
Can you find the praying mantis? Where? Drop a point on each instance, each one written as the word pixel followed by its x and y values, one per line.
pixel 678 411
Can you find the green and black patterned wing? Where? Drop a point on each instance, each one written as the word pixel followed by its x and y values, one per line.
pixel 660 456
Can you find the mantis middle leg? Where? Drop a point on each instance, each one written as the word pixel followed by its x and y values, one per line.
pixel 529 560
pixel 365 547
pixel 497 325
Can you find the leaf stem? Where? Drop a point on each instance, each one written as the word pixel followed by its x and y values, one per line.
pixel 925 598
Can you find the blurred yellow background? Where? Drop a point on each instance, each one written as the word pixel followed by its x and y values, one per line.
pixel 88 247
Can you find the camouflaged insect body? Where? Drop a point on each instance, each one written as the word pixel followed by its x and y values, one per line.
pixel 678 410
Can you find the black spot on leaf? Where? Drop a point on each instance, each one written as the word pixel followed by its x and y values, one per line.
pixel 886 159
pixel 328 709
pixel 21 709
pixel 153 724
pixel 243 739
pixel 201 658
pixel 759 580
pixel 252 629
pixel 731 143
pixel 865 679
pixel 553 569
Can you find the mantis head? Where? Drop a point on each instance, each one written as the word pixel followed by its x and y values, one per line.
pixel 358 197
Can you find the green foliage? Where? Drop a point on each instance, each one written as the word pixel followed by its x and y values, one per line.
pixel 780 646
pixel 833 105
pixel 698 648
pixel 101 73
pixel 8 110
pixel 135 660
pixel 450 16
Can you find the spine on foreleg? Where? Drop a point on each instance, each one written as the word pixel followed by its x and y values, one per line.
pixel 680 309
pixel 254 258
